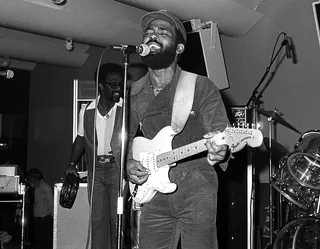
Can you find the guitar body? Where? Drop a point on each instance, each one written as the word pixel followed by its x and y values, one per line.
pixel 157 156
pixel 145 151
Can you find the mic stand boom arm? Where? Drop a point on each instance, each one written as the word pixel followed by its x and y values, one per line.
pixel 255 91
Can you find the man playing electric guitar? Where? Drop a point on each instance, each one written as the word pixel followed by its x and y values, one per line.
pixel 188 214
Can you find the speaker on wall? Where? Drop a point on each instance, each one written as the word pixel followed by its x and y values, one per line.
pixel 70 228
pixel 316 13
pixel 203 52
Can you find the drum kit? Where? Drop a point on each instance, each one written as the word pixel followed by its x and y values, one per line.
pixel 297 181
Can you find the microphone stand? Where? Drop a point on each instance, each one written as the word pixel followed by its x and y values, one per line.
pixel 120 201
pixel 255 102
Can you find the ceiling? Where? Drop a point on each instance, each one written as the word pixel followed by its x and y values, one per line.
pixel 35 31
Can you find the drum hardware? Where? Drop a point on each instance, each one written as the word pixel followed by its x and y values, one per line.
pixel 279 185
pixel 318 206
pixel 304 166
pixel 309 140
pixel 299 234
pixel 271 201
pixel 288 187
pixel 304 161
pixel 278 151
pixel 276 116
pixel 298 180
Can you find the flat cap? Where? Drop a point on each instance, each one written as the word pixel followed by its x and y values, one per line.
pixel 164 15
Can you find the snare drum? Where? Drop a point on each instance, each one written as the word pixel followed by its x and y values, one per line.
pixel 283 182
pixel 304 162
pixel 302 233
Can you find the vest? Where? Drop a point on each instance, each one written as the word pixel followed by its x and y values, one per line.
pixel 89 130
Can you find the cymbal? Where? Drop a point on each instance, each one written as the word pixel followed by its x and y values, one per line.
pixel 277 150
pixel 276 117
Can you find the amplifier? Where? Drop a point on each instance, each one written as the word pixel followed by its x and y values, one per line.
pixel 238 115
pixel 9 184
pixel 8 170
pixel 232 213
pixel 70 228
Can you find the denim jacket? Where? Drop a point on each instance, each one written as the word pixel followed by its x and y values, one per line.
pixel 150 114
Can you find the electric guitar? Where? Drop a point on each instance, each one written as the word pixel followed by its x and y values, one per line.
pixel 157 156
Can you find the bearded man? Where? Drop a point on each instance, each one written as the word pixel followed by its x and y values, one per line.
pixel 184 212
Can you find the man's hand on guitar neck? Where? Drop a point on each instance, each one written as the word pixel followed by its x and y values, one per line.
pixel 216 153
pixel 136 172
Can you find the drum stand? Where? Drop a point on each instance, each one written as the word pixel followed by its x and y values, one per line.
pixel 316 213
pixel 270 185
pixel 271 190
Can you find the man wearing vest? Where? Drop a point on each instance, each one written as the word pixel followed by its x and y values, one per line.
pixel 99 140
pixel 190 107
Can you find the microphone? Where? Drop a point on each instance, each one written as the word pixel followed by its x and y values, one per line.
pixel 8 74
pixel 142 49
pixel 287 44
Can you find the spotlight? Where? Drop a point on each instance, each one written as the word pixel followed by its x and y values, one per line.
pixel 69 44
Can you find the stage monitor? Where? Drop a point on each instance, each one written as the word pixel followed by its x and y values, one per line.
pixel 203 53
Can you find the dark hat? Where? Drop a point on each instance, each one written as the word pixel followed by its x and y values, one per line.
pixel 164 15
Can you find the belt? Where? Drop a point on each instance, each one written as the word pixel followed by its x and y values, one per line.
pixel 106 159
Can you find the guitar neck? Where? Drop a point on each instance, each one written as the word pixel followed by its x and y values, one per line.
pixel 235 138
pixel 180 153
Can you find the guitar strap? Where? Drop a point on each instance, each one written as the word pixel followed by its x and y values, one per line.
pixel 183 100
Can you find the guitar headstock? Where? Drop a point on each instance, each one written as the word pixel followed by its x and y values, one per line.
pixel 236 138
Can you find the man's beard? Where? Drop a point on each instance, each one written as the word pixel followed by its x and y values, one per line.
pixel 160 60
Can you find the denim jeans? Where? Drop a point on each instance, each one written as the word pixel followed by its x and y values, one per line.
pixel 188 214
pixel 104 205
